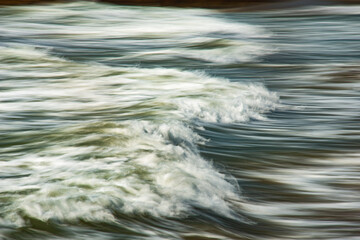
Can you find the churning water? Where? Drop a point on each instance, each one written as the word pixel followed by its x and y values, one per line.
pixel 162 123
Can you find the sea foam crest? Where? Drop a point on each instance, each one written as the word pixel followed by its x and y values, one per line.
pixel 101 158
pixel 182 33
pixel 147 169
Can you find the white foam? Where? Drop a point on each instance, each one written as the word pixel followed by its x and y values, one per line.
pixel 119 21
pixel 154 169
pixel 94 162
pixel 181 29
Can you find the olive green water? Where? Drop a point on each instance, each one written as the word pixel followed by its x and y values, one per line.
pixel 162 123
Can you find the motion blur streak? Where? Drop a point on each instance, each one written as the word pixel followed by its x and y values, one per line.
pixel 163 123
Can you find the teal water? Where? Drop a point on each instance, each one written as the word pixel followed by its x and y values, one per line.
pixel 163 123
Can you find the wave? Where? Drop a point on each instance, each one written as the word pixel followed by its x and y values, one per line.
pixel 138 33
pixel 115 139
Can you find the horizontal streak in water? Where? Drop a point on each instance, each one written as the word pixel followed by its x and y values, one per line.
pixel 159 123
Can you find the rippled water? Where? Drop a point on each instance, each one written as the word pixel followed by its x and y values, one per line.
pixel 162 123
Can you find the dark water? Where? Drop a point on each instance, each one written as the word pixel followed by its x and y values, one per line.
pixel 161 123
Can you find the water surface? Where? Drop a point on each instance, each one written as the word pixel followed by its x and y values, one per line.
pixel 162 123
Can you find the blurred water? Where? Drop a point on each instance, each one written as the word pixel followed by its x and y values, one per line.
pixel 162 123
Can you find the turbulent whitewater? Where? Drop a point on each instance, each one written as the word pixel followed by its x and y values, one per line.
pixel 120 139
pixel 162 123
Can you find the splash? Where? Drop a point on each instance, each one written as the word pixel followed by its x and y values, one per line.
pixel 117 139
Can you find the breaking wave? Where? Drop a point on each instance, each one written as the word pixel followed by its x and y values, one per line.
pixel 113 139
